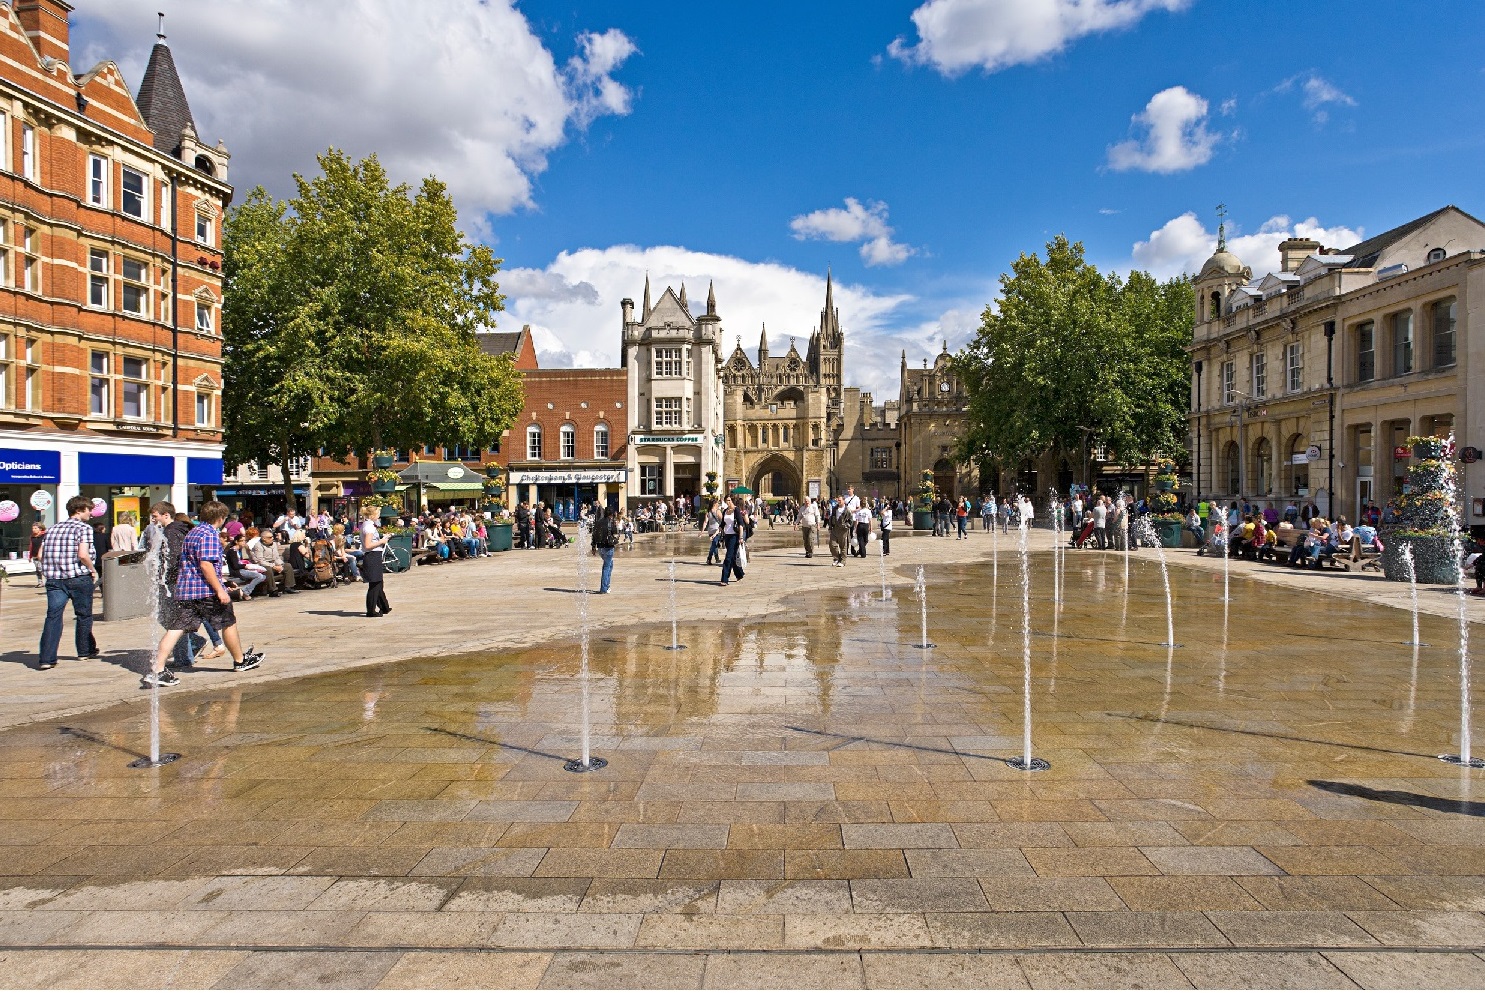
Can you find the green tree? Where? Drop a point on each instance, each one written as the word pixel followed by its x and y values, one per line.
pixel 350 321
pixel 1072 358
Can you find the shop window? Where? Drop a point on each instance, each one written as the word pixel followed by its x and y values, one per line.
pixel 98 278
pixel 649 479
pixel 533 442
pixel 98 181
pixel 600 442
pixel 1443 332
pixel 136 291
pixel 134 193
pixel 568 438
pixel 98 391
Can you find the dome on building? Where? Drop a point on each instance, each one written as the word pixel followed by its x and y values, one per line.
pixel 1223 263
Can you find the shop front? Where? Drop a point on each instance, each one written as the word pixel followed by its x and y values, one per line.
pixel 38 475
pixel 441 486
pixel 566 490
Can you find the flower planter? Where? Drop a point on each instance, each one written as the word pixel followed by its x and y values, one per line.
pixel 382 461
pixel 923 520
pixel 493 471
pixel 1169 533
pixel 1164 485
pixel 384 486
pixel 390 511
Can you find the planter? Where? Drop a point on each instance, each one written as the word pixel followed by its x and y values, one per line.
pixel 390 512
pixel 500 537
pixel 382 461
pixel 494 489
pixel 493 471
pixel 1169 533
pixel 923 520
pixel 1164 485
pixel 384 486
pixel 1433 559
pixel 1433 449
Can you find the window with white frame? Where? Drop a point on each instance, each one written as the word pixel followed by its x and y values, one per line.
pixel 533 442
pixel 568 438
pixel 1443 332
pixel 98 384
pixel 134 390
pixel 1229 382
pixel 28 152
pixel 136 290
pixel 4 140
pixel 98 278
pixel 1402 343
pixel 165 207
pixel 667 361
pixel 1260 374
pixel 7 373
pixel 31 390
pixel 98 180
pixel 1294 366
pixel 4 252
pixel 203 228
pixel 204 410
pixel 134 203
pixel 649 479
pixel 1366 352
pixel 667 412
pixel 29 276
pixel 203 317
pixel 600 442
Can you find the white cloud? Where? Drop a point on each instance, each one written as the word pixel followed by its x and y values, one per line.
pixel 575 329
pixel 1316 93
pixel 1175 135
pixel 463 89
pixel 956 35
pixel 1182 244
pixel 855 222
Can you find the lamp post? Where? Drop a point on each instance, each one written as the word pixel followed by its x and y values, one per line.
pixel 1197 432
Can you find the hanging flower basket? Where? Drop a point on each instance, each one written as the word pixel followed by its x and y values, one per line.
pixel 384 486
pixel 1428 448
pixel 382 460
pixel 494 487
pixel 493 471
pixel 1165 485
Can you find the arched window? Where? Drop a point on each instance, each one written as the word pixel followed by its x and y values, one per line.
pixel 1231 469
pixel 600 441
pixel 1262 482
pixel 533 442
pixel 568 441
pixel 1296 467
pixel 1216 310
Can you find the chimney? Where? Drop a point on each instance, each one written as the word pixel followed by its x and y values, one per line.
pixel 626 307
pixel 45 23
pixel 1294 251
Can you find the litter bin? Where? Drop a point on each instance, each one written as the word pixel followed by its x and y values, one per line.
pixel 500 537
pixel 126 586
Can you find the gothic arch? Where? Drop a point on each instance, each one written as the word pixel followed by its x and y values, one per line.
pixel 776 469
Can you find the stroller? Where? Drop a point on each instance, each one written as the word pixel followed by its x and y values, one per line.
pixel 1082 534
pixel 555 537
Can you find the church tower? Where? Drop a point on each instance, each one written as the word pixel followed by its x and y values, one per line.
pixel 829 346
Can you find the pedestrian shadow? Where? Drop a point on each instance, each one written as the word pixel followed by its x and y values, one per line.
pixel 694 582
pixel 1469 808
pixel 498 744
pixel 1197 725
pixel 558 589
pixel 335 613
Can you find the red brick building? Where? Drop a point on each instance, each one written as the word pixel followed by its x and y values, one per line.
pixel 568 446
pixel 110 280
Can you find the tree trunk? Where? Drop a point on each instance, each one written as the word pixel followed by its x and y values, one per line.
pixel 286 457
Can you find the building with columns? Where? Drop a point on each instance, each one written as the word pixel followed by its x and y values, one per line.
pixel 1308 379
pixel 932 415
pixel 111 214
pixel 672 363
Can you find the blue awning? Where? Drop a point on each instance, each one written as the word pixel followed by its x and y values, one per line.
pixel 204 472
pixel 113 469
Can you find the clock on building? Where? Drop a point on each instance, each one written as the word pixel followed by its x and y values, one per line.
pixel 943 387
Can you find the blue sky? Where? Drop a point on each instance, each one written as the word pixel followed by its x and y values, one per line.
pixel 915 148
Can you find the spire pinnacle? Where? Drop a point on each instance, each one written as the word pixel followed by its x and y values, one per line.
pixel 1221 227
pixel 711 299
pixel 160 30
pixel 645 314
pixel 683 297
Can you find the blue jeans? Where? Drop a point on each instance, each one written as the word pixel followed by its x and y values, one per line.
pixel 711 552
pixel 607 554
pixel 729 563
pixel 191 643
pixel 79 590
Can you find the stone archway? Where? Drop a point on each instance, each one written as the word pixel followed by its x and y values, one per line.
pixel 776 476
pixel 946 478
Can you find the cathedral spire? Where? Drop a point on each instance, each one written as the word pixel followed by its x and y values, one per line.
pixel 683 299
pixel 829 292
pixel 645 314
pixel 763 346
pixel 711 299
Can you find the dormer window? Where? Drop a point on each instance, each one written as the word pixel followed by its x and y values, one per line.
pixel 1436 255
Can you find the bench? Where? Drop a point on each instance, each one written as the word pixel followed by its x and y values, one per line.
pixel 1289 537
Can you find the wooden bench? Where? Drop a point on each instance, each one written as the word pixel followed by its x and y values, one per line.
pixel 1289 537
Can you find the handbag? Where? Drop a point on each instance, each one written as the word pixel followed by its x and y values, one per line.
pixel 742 555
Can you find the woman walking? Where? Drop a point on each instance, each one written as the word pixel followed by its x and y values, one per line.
pixel 372 547
pixel 734 526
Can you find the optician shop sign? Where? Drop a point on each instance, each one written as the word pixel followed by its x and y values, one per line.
pixel 20 466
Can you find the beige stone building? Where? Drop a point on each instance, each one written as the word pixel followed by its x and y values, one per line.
pixel 1307 381
pixel 932 415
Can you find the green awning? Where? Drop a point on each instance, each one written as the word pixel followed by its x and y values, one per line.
pixel 457 487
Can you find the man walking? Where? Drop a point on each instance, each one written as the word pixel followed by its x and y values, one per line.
pixel 809 521
pixel 523 524
pixel 840 532
pixel 200 598
pixel 67 564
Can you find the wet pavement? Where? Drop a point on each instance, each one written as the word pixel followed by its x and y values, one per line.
pixel 798 799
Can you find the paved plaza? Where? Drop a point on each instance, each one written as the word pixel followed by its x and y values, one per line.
pixel 798 797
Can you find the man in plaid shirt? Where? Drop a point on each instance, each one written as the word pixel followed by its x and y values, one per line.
pixel 201 597
pixel 67 564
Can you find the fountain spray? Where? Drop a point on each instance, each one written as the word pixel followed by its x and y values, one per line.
pixel 155 565
pixel 1451 496
pixel 675 617
pixel 1025 762
pixel 588 763
pixel 1407 558
pixel 921 588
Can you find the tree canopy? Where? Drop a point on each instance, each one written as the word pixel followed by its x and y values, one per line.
pixel 1072 356
pixel 349 321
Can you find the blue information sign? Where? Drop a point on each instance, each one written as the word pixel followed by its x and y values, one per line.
pixel 21 466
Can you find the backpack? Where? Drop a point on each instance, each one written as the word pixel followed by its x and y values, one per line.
pixel 605 533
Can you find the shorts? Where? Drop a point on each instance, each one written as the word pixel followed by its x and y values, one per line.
pixel 188 615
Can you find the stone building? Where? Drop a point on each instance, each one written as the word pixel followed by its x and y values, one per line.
pixel 110 281
pixel 1308 380
pixel 673 363
pixel 787 416
pixel 932 415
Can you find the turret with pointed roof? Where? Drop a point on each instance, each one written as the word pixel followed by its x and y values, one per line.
pixel 162 100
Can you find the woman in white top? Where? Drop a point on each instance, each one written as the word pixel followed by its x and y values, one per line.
pixel 372 547
pixel 124 537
